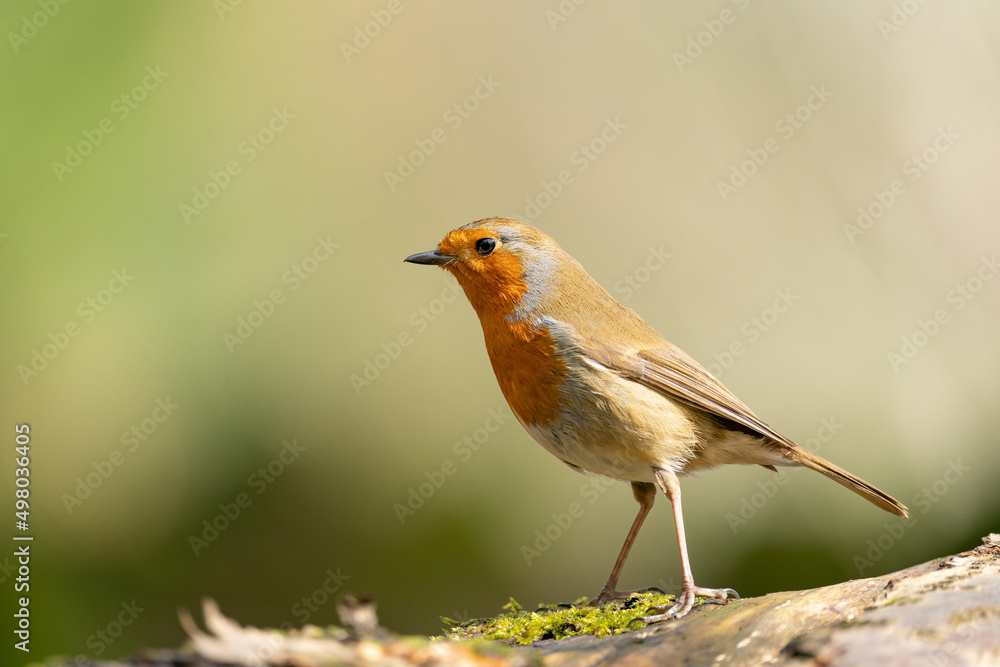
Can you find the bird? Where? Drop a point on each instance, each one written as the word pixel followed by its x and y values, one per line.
pixel 603 391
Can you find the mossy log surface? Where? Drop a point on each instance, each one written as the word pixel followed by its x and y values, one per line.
pixel 942 613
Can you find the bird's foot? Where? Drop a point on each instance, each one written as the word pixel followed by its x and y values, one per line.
pixel 686 601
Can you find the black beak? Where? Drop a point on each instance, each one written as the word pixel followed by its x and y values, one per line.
pixel 430 257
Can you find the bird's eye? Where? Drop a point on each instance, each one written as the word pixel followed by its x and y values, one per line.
pixel 485 246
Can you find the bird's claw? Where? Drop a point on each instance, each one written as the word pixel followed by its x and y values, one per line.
pixel 685 602
pixel 726 594
pixel 637 619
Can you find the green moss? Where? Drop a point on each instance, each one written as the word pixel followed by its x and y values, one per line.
pixel 525 627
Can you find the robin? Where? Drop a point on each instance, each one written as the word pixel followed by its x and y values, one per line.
pixel 602 391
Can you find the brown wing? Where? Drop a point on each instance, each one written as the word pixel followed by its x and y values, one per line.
pixel 669 371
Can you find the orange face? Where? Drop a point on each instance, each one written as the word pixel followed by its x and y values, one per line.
pixel 489 272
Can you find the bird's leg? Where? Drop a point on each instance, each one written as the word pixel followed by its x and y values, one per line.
pixel 645 494
pixel 672 488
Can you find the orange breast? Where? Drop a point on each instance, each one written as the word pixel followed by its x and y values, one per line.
pixel 528 371
pixel 523 357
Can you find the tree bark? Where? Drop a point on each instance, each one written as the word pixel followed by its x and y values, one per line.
pixel 942 613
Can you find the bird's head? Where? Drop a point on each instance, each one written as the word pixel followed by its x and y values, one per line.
pixel 507 268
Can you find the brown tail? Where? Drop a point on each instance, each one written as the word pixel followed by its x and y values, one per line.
pixel 844 478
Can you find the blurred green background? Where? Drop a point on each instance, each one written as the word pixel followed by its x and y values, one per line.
pixel 214 153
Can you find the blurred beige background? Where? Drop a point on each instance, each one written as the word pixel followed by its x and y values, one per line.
pixel 200 193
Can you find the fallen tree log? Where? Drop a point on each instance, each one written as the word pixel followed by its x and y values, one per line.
pixel 941 613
